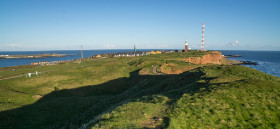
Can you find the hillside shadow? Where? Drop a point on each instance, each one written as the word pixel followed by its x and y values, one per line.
pixel 70 108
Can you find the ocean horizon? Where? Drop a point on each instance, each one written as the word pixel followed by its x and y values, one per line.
pixel 268 61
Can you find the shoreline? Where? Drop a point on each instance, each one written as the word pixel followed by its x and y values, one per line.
pixel 118 54
pixel 241 61
pixel 94 56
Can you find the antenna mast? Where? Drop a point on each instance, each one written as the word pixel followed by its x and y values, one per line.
pixel 202 43
pixel 82 51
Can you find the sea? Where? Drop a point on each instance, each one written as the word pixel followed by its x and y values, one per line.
pixel 268 61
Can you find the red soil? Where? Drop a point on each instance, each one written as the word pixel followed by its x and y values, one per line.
pixel 214 57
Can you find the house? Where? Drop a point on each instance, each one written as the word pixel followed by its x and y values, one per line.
pixel 98 56
pixel 158 52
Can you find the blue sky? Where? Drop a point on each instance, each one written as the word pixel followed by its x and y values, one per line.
pixel 149 24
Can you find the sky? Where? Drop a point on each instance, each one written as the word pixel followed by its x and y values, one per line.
pixel 32 25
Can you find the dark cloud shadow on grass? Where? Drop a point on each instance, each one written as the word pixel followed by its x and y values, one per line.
pixel 71 108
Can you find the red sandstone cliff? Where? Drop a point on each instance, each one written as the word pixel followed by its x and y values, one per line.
pixel 214 57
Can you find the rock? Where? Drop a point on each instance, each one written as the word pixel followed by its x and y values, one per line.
pixel 249 63
pixel 227 56
pixel 238 62
pixel 235 62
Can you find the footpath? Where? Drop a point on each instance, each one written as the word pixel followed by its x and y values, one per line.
pixel 155 70
pixel 26 75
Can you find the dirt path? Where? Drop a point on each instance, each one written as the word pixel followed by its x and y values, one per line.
pixel 22 75
pixel 10 77
pixel 155 70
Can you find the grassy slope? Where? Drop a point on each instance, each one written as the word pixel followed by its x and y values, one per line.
pixel 75 94
pixel 230 96
pixel 218 97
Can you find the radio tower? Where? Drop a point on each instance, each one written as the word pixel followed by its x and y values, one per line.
pixel 82 52
pixel 202 43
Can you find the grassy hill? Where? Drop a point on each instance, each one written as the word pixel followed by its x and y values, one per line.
pixel 124 92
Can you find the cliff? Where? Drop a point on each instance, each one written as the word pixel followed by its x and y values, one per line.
pixel 214 57
pixel 190 61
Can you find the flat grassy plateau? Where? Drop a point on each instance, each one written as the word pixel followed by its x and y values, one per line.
pixel 124 92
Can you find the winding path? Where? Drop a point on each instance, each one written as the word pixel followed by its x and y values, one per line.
pixel 10 77
pixel 155 70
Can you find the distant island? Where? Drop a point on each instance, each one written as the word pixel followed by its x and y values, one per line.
pixel 32 56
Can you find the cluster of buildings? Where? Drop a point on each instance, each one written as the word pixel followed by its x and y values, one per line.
pixel 43 63
pixel 129 54
pixel 137 54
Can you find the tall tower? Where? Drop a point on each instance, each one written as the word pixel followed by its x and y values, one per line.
pixel 82 52
pixel 134 49
pixel 186 46
pixel 202 43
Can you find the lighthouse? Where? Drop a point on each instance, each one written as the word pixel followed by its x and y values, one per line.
pixel 186 46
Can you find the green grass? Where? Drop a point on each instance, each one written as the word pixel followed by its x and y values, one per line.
pixel 110 93
pixel 239 101
pixel 218 97
pixel 146 112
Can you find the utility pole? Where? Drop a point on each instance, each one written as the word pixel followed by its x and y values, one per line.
pixel 134 49
pixel 82 51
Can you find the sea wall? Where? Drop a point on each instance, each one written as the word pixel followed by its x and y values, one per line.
pixel 214 57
